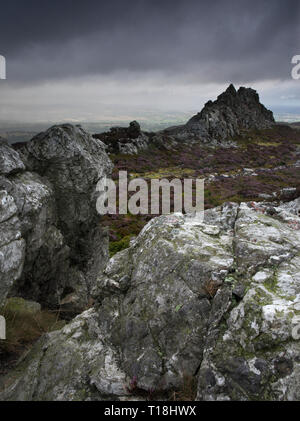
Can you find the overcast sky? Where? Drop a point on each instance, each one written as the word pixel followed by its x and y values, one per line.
pixel 91 60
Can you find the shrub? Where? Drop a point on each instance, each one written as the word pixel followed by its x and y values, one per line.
pixel 116 246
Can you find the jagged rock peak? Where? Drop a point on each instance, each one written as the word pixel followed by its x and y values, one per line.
pixel 233 111
pixel 230 92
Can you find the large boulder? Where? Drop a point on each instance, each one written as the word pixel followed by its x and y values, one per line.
pixel 45 273
pixel 75 363
pixel 252 352
pixel 156 298
pixel 181 302
pixel 73 161
pixel 10 160
pixel 55 199
pixel 12 246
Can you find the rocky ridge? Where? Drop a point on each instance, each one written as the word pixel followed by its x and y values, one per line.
pixel 217 124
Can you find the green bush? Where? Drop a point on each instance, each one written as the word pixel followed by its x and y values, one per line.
pixel 116 246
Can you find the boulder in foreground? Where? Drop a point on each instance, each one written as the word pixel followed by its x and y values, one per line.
pixel 218 301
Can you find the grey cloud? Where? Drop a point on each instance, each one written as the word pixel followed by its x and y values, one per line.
pixel 215 41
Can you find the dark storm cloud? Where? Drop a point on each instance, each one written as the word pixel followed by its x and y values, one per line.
pixel 200 40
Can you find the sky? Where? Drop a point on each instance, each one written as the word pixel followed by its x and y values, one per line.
pixel 91 60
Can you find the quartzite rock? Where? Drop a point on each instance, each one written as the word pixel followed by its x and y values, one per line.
pixel 167 307
pixel 55 203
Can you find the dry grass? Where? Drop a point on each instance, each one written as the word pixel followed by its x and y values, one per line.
pixel 211 287
pixel 188 391
pixel 24 327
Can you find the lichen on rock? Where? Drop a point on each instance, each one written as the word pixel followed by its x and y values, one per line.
pixel 168 306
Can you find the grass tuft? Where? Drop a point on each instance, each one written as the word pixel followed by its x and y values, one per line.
pixel 25 326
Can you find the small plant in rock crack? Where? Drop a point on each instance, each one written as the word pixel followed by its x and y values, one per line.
pixel 257 208
pixel 294 225
pixel 132 386
pixel 211 287
pixel 187 391
pixel 133 389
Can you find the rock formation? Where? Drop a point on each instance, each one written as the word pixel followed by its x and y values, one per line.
pixel 128 140
pixel 217 300
pixel 48 196
pixel 216 125
pixel 232 112
pixel 12 245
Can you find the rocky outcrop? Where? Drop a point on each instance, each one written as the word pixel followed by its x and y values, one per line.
pixel 55 203
pixel 127 140
pixel 232 112
pixel 217 300
pixel 73 161
pixel 10 161
pixel 12 246
pixel 252 351
pixel 45 273
pixel 216 125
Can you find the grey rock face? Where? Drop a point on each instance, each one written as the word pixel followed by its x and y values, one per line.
pixel 155 299
pixel 254 353
pixel 88 371
pixel 73 161
pixel 229 114
pixel 9 159
pixel 44 275
pixel 55 202
pixel 12 246
pixel 180 301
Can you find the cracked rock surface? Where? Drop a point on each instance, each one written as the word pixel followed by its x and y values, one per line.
pixel 52 244
pixel 217 299
pixel 12 246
